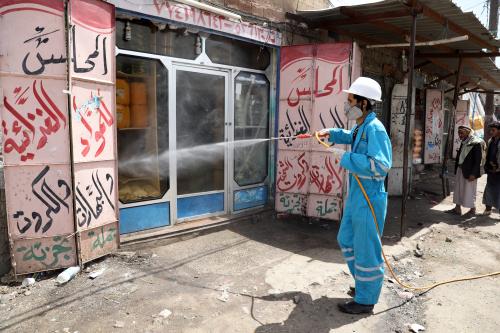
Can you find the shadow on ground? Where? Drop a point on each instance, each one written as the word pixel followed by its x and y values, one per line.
pixel 320 315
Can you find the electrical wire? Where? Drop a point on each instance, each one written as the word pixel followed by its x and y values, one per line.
pixel 428 287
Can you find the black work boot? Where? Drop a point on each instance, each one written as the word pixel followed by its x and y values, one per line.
pixel 355 308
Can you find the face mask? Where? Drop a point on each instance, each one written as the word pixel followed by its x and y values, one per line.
pixel 352 112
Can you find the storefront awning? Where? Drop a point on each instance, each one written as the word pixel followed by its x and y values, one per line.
pixel 390 22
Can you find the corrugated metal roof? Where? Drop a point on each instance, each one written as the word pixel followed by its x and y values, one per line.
pixel 384 31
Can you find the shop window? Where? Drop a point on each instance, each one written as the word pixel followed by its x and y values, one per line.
pixel 232 52
pixel 142 121
pixel 200 100
pixel 144 36
pixel 251 119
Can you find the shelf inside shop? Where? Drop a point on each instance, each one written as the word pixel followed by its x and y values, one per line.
pixel 132 129
pixel 138 139
pixel 132 76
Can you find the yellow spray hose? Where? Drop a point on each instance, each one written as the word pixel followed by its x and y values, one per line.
pixel 475 277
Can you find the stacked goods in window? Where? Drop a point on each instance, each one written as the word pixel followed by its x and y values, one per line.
pixel 139 104
pixel 418 138
pixel 122 103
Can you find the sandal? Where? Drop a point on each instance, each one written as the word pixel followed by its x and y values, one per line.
pixel 469 214
pixel 452 212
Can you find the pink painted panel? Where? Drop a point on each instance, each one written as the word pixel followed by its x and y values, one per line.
pixel 328 106
pixel 296 74
pixel 324 206
pixel 293 171
pixel 96 242
pixel 32 37
pixel 291 203
pixel 93 114
pixel 39 201
pixel 312 81
pixel 95 194
pixel 35 122
pixel 43 254
pixel 294 121
pixel 434 120
pixel 326 175
pixel 93 46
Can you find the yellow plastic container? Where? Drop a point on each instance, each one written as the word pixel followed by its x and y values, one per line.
pixel 139 115
pixel 138 93
pixel 477 124
pixel 122 116
pixel 122 92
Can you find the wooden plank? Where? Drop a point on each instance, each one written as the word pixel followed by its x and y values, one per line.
pixel 423 64
pixel 457 55
pixel 361 19
pixel 357 36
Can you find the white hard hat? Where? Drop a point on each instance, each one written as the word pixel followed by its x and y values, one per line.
pixel 366 87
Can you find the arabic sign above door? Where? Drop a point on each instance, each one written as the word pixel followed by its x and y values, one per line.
pixel 185 14
pixel 434 122
pixel 36 133
pixel 312 80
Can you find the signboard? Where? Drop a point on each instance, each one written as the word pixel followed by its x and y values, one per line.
pixel 185 14
pixel 309 180
pixel 94 126
pixel 434 121
pixel 399 107
pixel 36 127
pixel 461 119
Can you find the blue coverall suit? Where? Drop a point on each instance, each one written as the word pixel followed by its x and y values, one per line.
pixel 370 158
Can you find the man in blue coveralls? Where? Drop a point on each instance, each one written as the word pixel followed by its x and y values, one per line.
pixel 370 159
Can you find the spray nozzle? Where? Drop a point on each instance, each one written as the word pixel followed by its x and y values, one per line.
pixel 304 136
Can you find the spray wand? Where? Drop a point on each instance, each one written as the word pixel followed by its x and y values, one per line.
pixel 299 136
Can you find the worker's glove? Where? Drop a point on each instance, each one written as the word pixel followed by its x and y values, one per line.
pixel 337 153
pixel 324 132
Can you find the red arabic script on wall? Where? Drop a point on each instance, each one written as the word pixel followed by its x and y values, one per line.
pixel 93 109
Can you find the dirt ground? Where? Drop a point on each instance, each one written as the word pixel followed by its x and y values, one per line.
pixel 282 275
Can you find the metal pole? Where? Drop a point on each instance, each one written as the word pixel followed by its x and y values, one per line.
pixel 409 108
pixel 451 130
pixel 489 109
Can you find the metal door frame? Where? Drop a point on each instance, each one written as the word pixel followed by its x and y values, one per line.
pixel 180 66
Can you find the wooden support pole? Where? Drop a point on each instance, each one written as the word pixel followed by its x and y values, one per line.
pixel 489 107
pixel 409 109
pixel 451 130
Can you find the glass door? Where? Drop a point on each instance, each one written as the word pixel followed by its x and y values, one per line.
pixel 201 135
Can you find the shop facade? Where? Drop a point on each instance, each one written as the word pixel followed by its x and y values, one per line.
pixel 195 103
